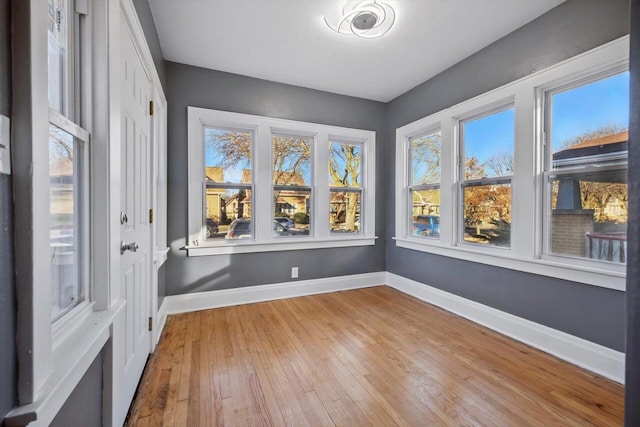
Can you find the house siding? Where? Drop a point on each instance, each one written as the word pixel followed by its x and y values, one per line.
pixel 593 313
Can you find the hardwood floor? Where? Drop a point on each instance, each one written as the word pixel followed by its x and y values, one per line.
pixel 370 356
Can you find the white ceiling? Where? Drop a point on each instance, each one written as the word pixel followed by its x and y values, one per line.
pixel 287 41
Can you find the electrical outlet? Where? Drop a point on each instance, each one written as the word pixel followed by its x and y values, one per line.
pixel 294 272
pixel 5 145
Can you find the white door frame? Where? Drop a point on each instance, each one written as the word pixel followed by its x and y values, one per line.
pixel 114 363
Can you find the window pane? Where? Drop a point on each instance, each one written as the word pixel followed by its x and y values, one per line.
pixel 292 212
pixel 344 211
pixel 291 161
pixel 487 214
pixel 64 212
pixel 222 208
pixel 589 215
pixel 488 145
pixel 425 217
pixel 425 159
pixel 345 165
pixel 57 55
pixel 228 156
pixel 588 210
pixel 590 122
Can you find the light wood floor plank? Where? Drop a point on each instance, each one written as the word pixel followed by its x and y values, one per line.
pixel 370 356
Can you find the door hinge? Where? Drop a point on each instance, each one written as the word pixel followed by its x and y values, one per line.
pixel 151 108
pixel 150 216
pixel 150 324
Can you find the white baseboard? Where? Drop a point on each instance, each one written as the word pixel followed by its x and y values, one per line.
pixel 161 318
pixel 586 354
pixel 251 294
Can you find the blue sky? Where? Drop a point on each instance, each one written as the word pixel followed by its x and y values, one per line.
pixel 575 112
pixel 213 158
pixel 587 108
pixel 490 135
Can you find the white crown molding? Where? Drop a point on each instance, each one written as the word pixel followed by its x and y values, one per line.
pixel 585 354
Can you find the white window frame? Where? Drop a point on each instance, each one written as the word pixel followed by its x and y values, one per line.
pixel 309 187
pixel 262 210
pixel 53 356
pixel 462 183
pixel 528 189
pixel 613 163
pixel 418 187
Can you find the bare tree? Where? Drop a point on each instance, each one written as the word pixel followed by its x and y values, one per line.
pixel 500 164
pixel 344 169
pixel 610 129
pixel 425 151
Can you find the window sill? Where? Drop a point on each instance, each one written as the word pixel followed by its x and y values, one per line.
pixel 288 245
pixel 160 256
pixel 69 362
pixel 591 275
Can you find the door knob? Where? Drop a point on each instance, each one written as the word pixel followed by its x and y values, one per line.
pixel 133 247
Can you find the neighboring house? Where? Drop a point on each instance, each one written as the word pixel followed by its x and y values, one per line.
pixel 426 202
pixel 590 213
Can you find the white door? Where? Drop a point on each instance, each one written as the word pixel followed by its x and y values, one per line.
pixel 135 229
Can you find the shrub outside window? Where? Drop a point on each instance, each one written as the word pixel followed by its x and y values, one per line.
pixel 487 143
pixel 292 185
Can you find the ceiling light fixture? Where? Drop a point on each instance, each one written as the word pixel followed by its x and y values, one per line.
pixel 365 18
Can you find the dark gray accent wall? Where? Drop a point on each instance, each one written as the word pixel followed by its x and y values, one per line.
pixel 632 380
pixel 84 405
pixel 192 86
pixel 593 313
pixel 149 27
pixel 8 364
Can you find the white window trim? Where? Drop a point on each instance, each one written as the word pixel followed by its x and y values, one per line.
pixel 53 357
pixel 525 253
pixel 264 128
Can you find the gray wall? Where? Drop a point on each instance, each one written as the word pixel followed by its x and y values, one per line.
pixel 149 27
pixel 632 381
pixel 590 312
pixel 192 86
pixel 7 288
pixel 84 405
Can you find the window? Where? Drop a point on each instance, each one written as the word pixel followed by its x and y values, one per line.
pixel 586 169
pixel 534 172
pixel 424 184
pixel 271 184
pixel 228 183
pixel 345 163
pixel 292 185
pixel 68 160
pixel 487 143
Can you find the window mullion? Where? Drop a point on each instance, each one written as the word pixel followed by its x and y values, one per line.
pixel 262 183
pixel 523 198
pixel 321 179
pixel 448 193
